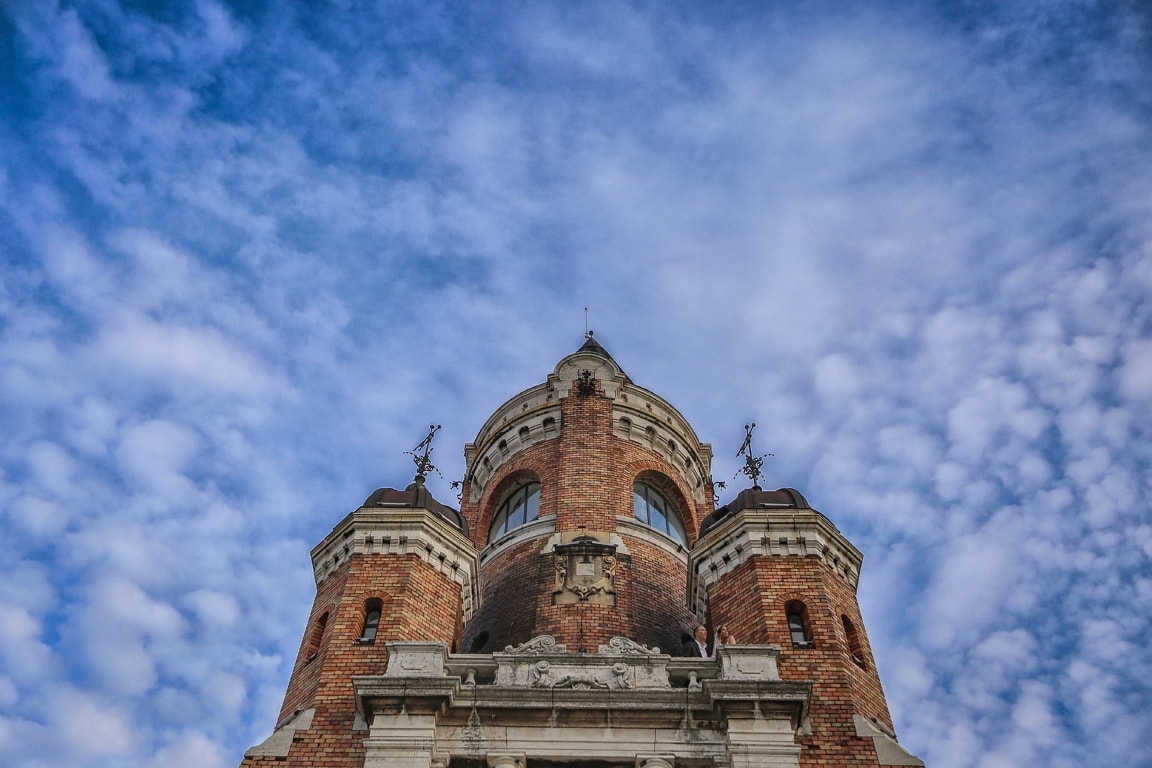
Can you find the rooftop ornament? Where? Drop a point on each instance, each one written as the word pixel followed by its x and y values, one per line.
pixel 422 455
pixel 752 463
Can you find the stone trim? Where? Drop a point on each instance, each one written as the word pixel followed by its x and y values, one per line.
pixel 531 409
pixel 540 702
pixel 403 531
pixel 767 533
pixel 630 526
pixel 888 750
pixel 541 526
pixel 278 744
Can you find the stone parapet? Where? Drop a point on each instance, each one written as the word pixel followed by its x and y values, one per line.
pixel 538 700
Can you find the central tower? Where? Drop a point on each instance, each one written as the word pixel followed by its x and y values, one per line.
pixel 583 495
pixel 548 623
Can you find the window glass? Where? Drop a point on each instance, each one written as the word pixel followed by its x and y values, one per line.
pixel 371 624
pixel 522 506
pixel 652 508
pixel 640 504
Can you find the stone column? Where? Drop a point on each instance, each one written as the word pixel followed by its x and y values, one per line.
pixel 655 761
pixel 400 741
pixel 762 743
pixel 505 760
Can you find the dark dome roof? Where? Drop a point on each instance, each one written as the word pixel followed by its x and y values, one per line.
pixel 753 498
pixel 416 496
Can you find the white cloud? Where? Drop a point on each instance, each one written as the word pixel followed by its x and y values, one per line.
pixel 249 264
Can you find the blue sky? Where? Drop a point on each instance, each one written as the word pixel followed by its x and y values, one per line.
pixel 249 252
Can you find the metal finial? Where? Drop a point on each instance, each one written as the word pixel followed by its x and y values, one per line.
pixel 587 332
pixel 422 454
pixel 752 464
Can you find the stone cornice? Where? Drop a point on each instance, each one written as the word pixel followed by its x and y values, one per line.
pixel 542 675
pixel 752 533
pixel 403 531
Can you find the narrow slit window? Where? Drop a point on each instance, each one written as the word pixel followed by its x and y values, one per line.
pixel 316 637
pixel 372 610
pixel 798 628
pixel 854 647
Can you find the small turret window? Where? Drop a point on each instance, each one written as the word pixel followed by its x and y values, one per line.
pixel 652 508
pixel 855 650
pixel 372 610
pixel 522 506
pixel 797 615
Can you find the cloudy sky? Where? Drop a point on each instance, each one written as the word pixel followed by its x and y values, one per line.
pixel 248 253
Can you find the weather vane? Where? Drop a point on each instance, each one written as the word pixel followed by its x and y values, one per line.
pixel 752 464
pixel 587 331
pixel 422 454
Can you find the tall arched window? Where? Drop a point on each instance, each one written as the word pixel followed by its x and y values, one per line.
pixel 798 628
pixel 854 647
pixel 372 609
pixel 652 508
pixel 522 506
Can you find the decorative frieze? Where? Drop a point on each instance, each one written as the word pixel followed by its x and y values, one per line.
pixel 752 533
pixel 403 531
pixel 619 665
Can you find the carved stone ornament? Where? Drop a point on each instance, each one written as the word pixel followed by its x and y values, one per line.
pixel 537 646
pixel 585 572
pixel 626 647
pixel 542 675
pixel 621 664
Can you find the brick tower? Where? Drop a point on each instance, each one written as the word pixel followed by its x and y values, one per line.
pixel 549 622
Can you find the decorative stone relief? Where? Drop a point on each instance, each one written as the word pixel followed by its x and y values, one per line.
pixel 626 647
pixel 621 664
pixel 585 572
pixel 536 646
pixel 409 659
pixel 541 675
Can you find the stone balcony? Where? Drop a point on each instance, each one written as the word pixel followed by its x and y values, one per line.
pixel 539 702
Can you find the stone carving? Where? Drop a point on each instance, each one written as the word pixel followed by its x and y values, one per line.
pixel 537 646
pixel 618 676
pixel 626 647
pixel 585 572
pixel 416 659
pixel 543 663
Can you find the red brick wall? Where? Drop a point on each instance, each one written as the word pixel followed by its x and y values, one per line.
pixel 586 476
pixel 418 603
pixel 840 687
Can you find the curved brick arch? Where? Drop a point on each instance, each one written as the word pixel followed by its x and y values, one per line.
pixel 535 463
pixel 656 473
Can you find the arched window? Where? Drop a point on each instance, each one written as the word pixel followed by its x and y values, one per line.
pixel 854 647
pixel 797 614
pixel 652 508
pixel 372 608
pixel 316 636
pixel 522 506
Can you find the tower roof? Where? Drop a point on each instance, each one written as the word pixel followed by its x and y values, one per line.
pixel 416 496
pixel 752 498
pixel 591 345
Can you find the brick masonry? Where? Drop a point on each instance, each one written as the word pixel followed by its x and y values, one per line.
pixel 586 466
pixel 751 600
